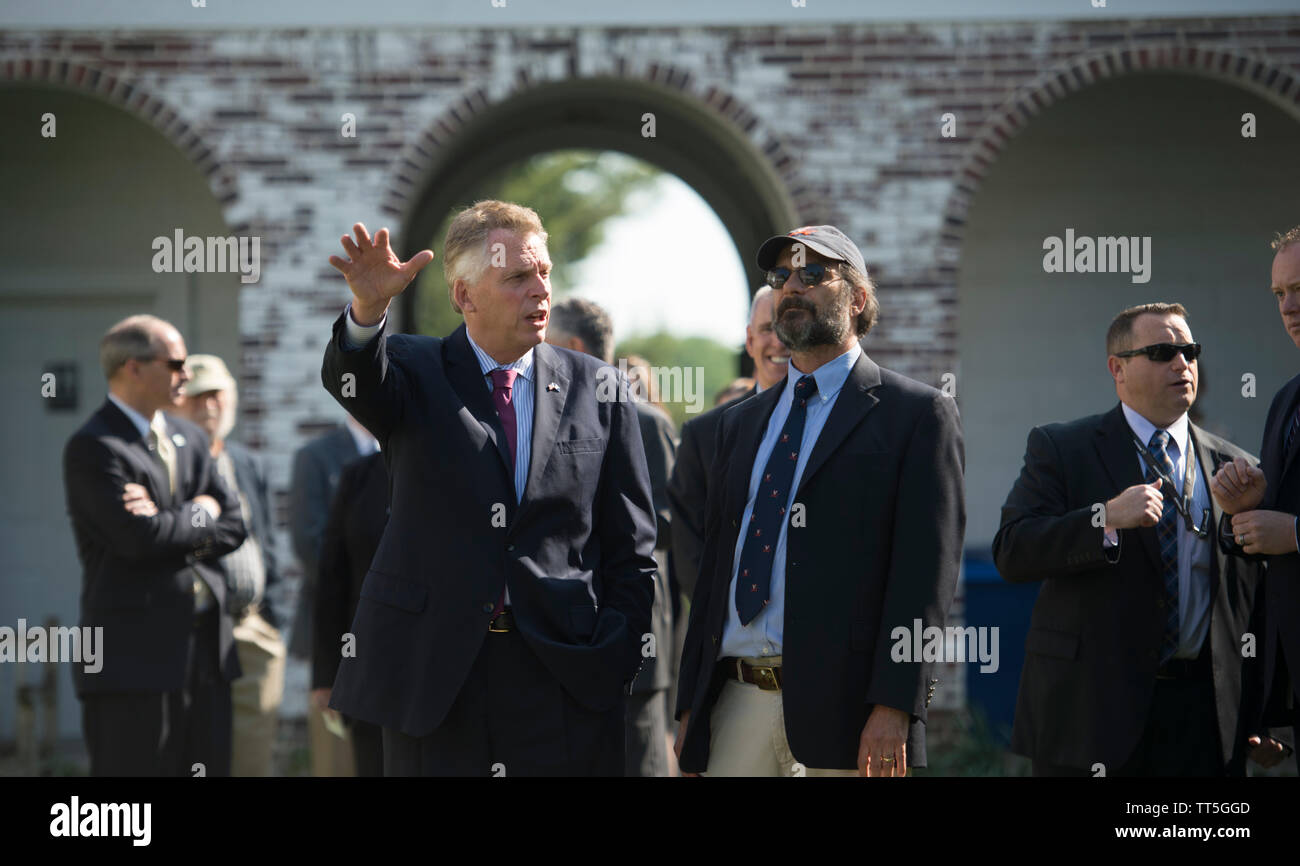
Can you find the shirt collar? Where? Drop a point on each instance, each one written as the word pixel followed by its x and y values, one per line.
pixel 141 423
pixel 523 365
pixel 830 377
pixel 1144 429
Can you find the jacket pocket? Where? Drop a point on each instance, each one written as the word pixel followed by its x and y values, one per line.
pixel 395 591
pixel 1057 644
pixel 574 446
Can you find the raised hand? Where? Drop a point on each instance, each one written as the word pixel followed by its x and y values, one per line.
pixel 374 274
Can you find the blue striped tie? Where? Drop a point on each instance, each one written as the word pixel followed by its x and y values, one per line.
pixel 1290 433
pixel 754 579
pixel 1167 533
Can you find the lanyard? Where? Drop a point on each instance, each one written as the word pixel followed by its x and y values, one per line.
pixel 1183 504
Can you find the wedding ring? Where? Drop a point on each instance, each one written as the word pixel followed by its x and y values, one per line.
pixel 885 760
pixel 1241 539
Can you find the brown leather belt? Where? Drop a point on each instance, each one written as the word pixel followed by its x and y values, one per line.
pixel 502 622
pixel 766 677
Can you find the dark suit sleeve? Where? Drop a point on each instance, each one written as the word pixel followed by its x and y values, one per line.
pixel 331 602
pixel 308 508
pixel 627 528
pixel 1041 537
pixel 926 551
pixel 365 381
pixel 266 541
pixel 95 477
pixel 686 492
pixel 698 644
pixel 660 456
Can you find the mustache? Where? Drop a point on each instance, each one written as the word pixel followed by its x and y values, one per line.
pixel 793 303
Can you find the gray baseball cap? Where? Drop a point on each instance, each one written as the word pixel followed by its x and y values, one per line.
pixel 826 240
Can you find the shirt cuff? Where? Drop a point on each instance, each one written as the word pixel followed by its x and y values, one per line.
pixel 355 336
pixel 1111 538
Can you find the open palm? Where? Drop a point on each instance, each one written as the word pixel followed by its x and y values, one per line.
pixel 374 273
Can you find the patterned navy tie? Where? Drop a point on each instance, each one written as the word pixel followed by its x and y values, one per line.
pixel 1290 433
pixel 1167 533
pixel 753 581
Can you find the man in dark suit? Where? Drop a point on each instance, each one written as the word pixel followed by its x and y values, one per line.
pixel 317 466
pixel 151 516
pixel 583 326
pixel 251 570
pixel 1260 505
pixel 504 611
pixel 356 523
pixel 1133 658
pixel 835 516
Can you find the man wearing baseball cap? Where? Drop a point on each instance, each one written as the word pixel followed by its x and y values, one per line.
pixel 210 400
pixel 835 518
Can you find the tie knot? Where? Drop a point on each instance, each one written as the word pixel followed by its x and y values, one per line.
pixel 1159 440
pixel 502 378
pixel 805 387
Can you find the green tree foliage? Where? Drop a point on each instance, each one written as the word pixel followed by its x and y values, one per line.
pixel 573 191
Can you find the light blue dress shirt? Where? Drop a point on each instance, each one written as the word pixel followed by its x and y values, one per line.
pixel 762 637
pixel 1193 553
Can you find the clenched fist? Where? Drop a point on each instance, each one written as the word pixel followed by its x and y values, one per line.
pixel 1139 505
pixel 1238 486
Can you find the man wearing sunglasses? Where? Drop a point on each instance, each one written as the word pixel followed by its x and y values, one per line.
pixel 1263 503
pixel 835 515
pixel 151 517
pixel 1133 657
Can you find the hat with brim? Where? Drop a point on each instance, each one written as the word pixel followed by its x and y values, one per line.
pixel 207 373
pixel 825 240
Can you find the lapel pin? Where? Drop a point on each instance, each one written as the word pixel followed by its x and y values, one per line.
pixel 552 387
pixel 179 440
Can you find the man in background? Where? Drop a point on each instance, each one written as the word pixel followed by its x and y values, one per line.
pixel 582 326
pixel 316 469
pixel 151 517
pixel 251 572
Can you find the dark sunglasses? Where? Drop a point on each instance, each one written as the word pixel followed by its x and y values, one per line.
pixel 176 365
pixel 1164 352
pixel 809 275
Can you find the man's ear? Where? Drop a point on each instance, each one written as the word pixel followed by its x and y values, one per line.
pixel 1116 367
pixel 460 291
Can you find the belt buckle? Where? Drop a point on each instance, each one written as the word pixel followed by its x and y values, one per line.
pixel 765 678
pixel 493 623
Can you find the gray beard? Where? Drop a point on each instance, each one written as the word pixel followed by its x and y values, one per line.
pixel 828 326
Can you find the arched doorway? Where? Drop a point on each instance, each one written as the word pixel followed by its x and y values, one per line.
pixel 82 210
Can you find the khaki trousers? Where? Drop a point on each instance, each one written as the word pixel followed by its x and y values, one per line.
pixel 256 696
pixel 747 728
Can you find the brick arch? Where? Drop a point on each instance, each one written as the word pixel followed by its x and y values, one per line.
pixel 90 80
pixel 418 157
pixel 1277 84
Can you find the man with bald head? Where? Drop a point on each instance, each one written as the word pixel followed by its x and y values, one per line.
pixel 151 517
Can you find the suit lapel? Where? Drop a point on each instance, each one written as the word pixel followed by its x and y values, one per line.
pixel 855 400
pixel 1119 457
pixel 1287 456
pixel 467 380
pixel 1209 460
pixel 122 427
pixel 753 420
pixel 548 407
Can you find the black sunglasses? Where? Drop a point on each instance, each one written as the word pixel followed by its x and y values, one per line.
pixel 1164 352
pixel 176 365
pixel 809 275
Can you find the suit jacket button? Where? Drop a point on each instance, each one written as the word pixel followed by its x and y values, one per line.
pixel 510 547
pixel 487 608
pixel 734 523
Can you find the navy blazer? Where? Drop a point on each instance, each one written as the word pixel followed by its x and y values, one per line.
pixel 576 552
pixel 880 548
pixel 138 572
